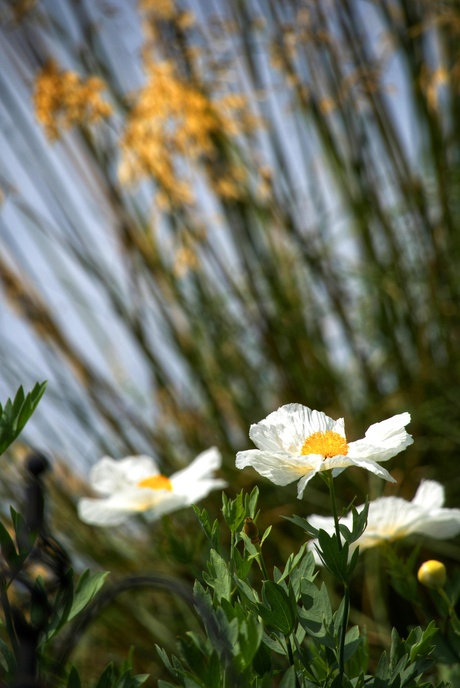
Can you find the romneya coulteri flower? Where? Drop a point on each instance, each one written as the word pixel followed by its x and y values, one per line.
pixel 296 443
pixel 135 485
pixel 393 518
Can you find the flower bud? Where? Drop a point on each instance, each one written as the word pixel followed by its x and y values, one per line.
pixel 251 530
pixel 432 573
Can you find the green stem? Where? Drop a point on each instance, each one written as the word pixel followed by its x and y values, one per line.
pixel 291 656
pixel 346 595
pixel 451 611
pixel 261 561
pixel 334 509
pixel 343 630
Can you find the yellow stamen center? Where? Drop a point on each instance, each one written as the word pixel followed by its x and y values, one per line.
pixel 328 444
pixel 156 482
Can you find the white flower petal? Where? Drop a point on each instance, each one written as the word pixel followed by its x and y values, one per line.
pixel 96 513
pixel 281 437
pixel 367 464
pixel 393 518
pixel 430 495
pixel 287 428
pixel 280 468
pixel 137 468
pixel 440 524
pixel 303 482
pixel 202 467
pixel 115 509
pixel 120 481
pixel 109 476
pixel 383 440
pixel 166 504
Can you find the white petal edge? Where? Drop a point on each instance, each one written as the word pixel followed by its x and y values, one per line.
pixel 282 468
pixel 201 467
pixel 430 495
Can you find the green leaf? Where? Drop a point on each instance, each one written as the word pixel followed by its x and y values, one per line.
pixel 73 680
pixel 250 638
pixel 303 523
pixel 7 659
pixel 304 570
pixel 8 547
pixel 250 503
pixel 233 511
pixel 87 588
pixel 242 566
pixel 289 679
pixel 334 558
pixel 352 642
pixel 15 414
pixel 211 530
pixel 219 577
pixel 277 608
pixel 315 615
pixel 423 641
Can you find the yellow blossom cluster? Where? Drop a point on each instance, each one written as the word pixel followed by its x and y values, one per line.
pixel 171 126
pixel 163 9
pixel 63 98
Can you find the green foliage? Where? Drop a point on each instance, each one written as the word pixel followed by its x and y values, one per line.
pixel 15 414
pixel 33 621
pixel 257 630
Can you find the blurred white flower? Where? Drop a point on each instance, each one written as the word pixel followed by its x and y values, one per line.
pixel 295 443
pixel 392 518
pixel 135 485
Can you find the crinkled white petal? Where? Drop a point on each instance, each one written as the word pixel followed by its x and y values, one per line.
pixel 287 428
pixel 372 466
pixel 383 440
pixel 109 476
pixel 430 495
pixel 281 468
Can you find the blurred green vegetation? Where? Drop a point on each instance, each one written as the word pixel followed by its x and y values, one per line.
pixel 213 209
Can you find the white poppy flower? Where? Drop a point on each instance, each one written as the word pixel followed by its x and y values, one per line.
pixel 393 518
pixel 135 485
pixel 295 443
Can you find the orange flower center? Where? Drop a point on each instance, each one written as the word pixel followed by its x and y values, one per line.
pixel 156 482
pixel 328 444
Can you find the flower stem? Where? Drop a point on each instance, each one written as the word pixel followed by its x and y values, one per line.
pixel 261 561
pixel 346 595
pixel 334 509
